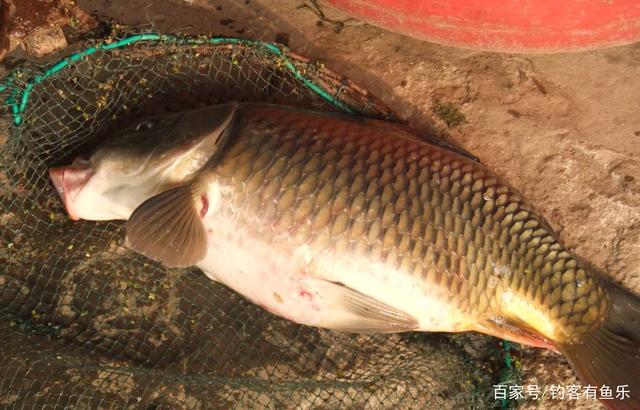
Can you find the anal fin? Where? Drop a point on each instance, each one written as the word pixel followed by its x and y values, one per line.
pixel 168 228
pixel 516 332
pixel 353 311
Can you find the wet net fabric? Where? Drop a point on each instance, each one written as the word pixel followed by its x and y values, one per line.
pixel 86 323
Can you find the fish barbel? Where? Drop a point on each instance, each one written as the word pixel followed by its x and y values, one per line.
pixel 356 225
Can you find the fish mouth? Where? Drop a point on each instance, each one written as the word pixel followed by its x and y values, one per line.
pixel 68 181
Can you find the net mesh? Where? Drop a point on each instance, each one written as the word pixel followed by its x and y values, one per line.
pixel 86 323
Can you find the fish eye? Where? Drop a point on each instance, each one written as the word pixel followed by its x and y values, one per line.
pixel 144 126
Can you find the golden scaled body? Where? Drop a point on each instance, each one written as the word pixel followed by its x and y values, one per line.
pixel 371 189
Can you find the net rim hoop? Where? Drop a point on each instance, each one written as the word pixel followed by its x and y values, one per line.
pixel 19 96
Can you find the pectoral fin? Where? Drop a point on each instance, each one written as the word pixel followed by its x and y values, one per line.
pixel 168 228
pixel 352 311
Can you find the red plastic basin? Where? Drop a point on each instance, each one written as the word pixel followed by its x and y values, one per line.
pixel 534 26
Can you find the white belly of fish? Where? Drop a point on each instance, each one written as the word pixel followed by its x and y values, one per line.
pixel 294 283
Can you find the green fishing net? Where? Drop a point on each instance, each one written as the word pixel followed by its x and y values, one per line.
pixel 86 323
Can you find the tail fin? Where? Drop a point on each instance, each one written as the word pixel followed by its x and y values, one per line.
pixel 611 356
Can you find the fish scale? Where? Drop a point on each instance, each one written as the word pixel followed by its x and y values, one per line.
pixel 416 207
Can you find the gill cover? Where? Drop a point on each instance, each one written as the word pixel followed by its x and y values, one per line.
pixel 181 142
pixel 148 157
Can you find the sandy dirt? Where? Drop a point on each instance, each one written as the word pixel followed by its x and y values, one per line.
pixel 37 25
pixel 562 128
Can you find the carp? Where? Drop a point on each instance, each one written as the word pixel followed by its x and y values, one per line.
pixel 357 225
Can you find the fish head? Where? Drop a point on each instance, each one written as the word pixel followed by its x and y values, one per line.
pixel 140 161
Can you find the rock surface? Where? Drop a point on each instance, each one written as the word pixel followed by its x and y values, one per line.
pixel 38 25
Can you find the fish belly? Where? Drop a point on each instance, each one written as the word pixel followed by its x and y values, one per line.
pixel 284 280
